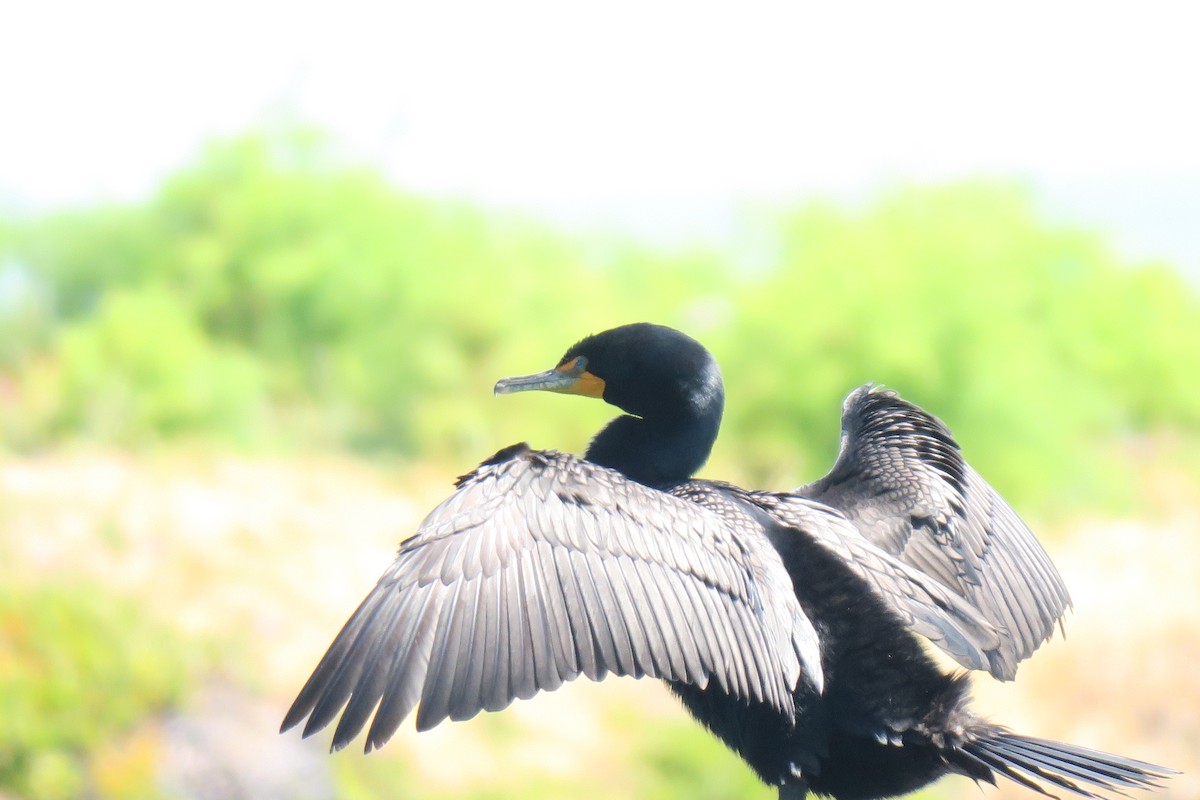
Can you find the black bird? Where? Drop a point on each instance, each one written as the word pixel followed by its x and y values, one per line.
pixel 785 622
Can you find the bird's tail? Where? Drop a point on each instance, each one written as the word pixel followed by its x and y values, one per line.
pixel 1035 762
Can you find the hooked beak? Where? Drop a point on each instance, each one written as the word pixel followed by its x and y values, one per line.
pixel 553 380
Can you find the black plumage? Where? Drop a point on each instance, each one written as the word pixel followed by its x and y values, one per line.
pixel 783 621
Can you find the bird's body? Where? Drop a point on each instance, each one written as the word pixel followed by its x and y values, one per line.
pixel 785 622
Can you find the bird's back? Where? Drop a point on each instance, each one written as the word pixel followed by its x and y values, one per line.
pixel 879 682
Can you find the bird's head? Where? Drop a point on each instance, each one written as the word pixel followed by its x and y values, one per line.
pixel 650 371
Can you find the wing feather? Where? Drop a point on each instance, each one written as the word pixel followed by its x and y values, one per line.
pixel 415 639
pixel 923 604
pixel 708 638
pixel 582 638
pixel 901 481
pixel 369 685
pixel 435 696
pixel 542 567
pixel 557 603
pixel 546 677
pixel 496 667
pixel 685 657
pixel 523 684
pixel 623 585
pixel 464 700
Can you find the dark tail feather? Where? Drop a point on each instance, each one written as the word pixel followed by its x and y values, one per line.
pixel 1032 762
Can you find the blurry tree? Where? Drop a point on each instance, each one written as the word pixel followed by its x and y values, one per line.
pixel 271 294
pixel 79 668
pixel 1032 341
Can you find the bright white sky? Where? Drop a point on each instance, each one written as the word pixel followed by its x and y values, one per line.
pixel 646 114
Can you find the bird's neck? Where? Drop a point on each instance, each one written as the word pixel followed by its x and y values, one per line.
pixel 656 452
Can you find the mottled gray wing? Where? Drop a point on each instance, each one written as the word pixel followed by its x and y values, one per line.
pixel 542 567
pixel 920 602
pixel 900 478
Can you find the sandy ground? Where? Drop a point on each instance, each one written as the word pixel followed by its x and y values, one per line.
pixel 274 554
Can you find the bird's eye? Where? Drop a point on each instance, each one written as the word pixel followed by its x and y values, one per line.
pixel 574 367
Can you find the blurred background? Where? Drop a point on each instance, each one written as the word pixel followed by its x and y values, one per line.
pixel 261 264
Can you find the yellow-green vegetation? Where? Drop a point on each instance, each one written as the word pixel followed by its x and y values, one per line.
pixel 274 302
pixel 80 667
pixel 271 296
pixel 251 564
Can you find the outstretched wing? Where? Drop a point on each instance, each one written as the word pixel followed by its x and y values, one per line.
pixel 920 602
pixel 900 478
pixel 542 567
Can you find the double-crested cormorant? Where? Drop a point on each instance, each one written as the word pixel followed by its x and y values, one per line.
pixel 784 621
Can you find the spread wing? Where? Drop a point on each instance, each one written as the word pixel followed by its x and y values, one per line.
pixel 901 480
pixel 919 601
pixel 542 567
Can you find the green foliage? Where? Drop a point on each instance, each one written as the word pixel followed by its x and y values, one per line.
pixel 680 759
pixel 641 755
pixel 270 294
pixel 141 366
pixel 1032 342
pixel 79 667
